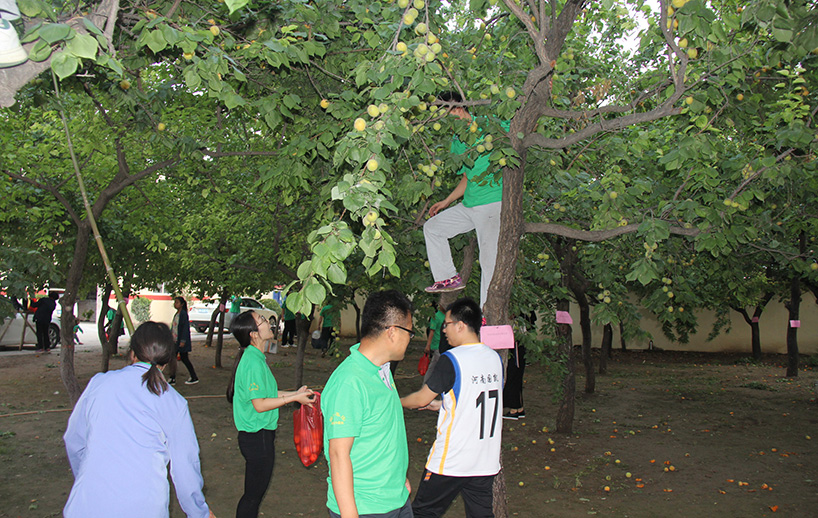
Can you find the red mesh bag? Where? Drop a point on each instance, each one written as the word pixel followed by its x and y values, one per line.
pixel 308 431
pixel 423 364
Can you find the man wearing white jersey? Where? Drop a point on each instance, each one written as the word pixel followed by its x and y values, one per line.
pixel 466 454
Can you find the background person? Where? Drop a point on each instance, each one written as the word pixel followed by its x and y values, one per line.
pixel 253 391
pixel 364 432
pixel 181 337
pixel 42 319
pixel 127 427
pixel 288 317
pixel 433 340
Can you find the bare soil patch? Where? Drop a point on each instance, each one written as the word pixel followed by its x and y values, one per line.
pixel 700 435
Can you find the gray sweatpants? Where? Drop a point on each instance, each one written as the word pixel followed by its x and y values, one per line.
pixel 484 219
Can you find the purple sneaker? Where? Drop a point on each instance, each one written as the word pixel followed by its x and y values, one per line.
pixel 453 284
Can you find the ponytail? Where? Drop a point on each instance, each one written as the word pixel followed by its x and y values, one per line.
pixel 154 380
pixel 152 342
pixel 241 327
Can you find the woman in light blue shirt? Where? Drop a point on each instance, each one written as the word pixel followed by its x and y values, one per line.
pixel 125 429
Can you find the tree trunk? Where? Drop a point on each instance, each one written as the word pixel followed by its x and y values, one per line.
pixel 357 319
pixel 302 329
pixel 795 310
pixel 585 326
pixel 565 412
pixel 103 314
pixel 605 348
pixel 496 308
pixel 72 283
pixel 622 337
pixel 220 338
pixel 213 316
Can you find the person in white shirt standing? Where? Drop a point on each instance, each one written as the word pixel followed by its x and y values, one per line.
pixel 465 457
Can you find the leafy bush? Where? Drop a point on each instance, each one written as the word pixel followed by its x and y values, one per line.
pixel 141 309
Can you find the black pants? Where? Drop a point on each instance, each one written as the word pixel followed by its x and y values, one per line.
pixel 326 337
pixel 184 358
pixel 42 335
pixel 437 492
pixel 289 332
pixel 259 452
pixel 513 391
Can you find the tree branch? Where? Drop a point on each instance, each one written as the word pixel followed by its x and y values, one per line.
pixel 597 235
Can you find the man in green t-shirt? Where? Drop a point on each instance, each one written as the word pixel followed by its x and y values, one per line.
pixel 433 341
pixel 480 211
pixel 364 433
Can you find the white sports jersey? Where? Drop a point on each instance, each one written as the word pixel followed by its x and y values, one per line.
pixel 470 421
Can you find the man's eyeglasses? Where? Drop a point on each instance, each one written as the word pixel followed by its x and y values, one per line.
pixel 447 323
pixel 411 333
pixel 262 320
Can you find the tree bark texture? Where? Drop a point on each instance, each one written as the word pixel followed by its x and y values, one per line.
pixel 72 284
pixel 585 327
pixel 565 412
pixel 605 348
pixel 795 310
pixel 220 338
pixel 622 343
pixel 302 329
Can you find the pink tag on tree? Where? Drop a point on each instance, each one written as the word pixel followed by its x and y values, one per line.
pixel 221 308
pixel 755 320
pixel 564 317
pixel 497 337
pixel 795 323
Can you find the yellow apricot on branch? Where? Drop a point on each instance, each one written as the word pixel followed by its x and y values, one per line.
pixel 372 165
pixel 324 103
pixel 373 111
pixel 214 30
pixel 360 124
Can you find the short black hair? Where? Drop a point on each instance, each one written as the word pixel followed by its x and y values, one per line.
pixel 383 309
pixel 466 310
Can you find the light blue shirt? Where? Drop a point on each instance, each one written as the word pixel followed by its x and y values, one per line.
pixel 120 438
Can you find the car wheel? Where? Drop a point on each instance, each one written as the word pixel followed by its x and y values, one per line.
pixel 201 329
pixel 53 335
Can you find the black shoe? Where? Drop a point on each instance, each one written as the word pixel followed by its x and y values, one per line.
pixel 192 381
pixel 172 381
pixel 520 414
pixel 510 416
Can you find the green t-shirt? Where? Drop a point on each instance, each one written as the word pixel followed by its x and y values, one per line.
pixel 254 380
pixel 357 402
pixel 436 325
pixel 329 316
pixel 479 191
pixel 288 315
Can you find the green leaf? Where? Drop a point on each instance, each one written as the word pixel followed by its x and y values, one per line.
pixel 90 27
pixel 40 52
pixel 235 5
pixel 336 273
pixel 315 292
pixel 64 64
pixel 54 32
pixel 304 270
pixel 156 41
pixel 82 46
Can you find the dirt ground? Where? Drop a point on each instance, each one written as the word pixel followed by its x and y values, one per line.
pixel 665 434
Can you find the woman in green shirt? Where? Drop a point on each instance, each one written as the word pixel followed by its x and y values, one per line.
pixel 253 391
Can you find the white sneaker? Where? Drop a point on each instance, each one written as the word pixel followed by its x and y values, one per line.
pixel 11 52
